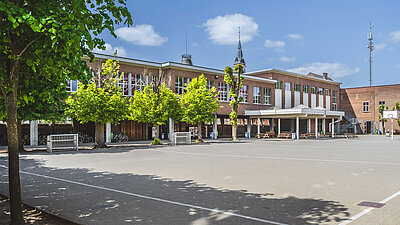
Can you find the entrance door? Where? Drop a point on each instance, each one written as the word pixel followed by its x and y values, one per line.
pixel 367 127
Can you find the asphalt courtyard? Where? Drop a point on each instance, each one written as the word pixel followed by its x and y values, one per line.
pixel 250 182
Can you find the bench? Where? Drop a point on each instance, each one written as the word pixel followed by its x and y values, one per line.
pixel 62 141
pixel 269 134
pixel 305 136
pixel 178 136
pixel 284 135
pixel 350 135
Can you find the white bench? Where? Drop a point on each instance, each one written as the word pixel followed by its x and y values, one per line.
pixel 62 141
pixel 179 136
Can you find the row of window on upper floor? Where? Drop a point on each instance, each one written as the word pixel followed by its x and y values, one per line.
pixel 306 88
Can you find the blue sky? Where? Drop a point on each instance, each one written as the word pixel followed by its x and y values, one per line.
pixel 301 36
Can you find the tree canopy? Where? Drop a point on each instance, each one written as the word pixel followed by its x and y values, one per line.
pixel 199 103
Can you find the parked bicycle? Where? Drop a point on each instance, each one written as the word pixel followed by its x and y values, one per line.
pixel 84 138
pixel 120 137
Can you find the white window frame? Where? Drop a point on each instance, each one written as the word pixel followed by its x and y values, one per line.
pixel 278 85
pixel 267 97
pixel 320 91
pixel 69 86
pixel 223 92
pixel 180 84
pixel 256 95
pixel 334 100
pixel 244 93
pixel 306 89
pixel 288 86
pixel 365 107
pixel 382 103
pixel 313 90
pixel 328 92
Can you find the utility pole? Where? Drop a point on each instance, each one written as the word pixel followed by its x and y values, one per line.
pixel 371 48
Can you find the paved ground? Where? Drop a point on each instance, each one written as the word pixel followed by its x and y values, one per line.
pixel 251 182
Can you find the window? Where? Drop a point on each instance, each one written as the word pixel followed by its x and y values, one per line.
pixel 256 95
pixel 320 91
pixel 267 96
pixel 328 92
pixel 297 87
pixel 138 83
pixel 244 93
pixel 210 84
pixel 222 92
pixel 313 90
pixel 123 83
pixel 180 84
pixel 305 89
pixel 288 86
pixel 278 85
pixel 334 100
pixel 72 86
pixel 381 103
pixel 365 106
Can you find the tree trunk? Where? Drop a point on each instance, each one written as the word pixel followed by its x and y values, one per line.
pixel 21 141
pixel 13 159
pixel 157 132
pixel 234 132
pixel 199 134
pixel 99 140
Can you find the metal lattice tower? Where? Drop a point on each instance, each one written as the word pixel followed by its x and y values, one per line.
pixel 371 48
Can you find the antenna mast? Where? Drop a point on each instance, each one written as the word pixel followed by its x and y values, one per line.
pixel 371 48
pixel 186 42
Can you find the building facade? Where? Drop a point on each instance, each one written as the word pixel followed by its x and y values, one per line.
pixel 363 103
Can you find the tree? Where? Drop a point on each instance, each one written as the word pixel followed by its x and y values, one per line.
pixel 236 81
pixel 199 103
pixel 45 37
pixel 380 116
pixel 156 106
pixel 100 101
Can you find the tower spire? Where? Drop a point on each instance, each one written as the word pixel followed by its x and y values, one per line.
pixel 239 55
pixel 371 48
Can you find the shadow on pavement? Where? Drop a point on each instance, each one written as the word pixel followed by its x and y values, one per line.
pixel 89 205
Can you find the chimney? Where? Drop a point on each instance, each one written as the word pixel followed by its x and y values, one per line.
pixel 325 75
pixel 187 59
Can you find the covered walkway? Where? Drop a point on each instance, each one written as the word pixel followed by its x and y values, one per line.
pixel 301 118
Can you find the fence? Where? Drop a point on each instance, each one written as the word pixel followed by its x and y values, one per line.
pixel 179 136
pixel 62 141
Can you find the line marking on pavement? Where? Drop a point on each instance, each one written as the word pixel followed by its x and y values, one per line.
pixel 365 211
pixel 153 198
pixel 280 158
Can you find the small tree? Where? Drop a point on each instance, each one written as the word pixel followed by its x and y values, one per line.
pixel 199 103
pixel 380 116
pixel 156 106
pixel 235 80
pixel 100 102
pixel 397 107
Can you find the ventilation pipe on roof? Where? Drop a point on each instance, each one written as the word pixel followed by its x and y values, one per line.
pixel 187 59
pixel 325 75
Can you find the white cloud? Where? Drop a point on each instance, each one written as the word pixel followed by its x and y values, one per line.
pixel 277 45
pixel 295 36
pixel 380 46
pixel 395 36
pixel 287 59
pixel 223 30
pixel 334 70
pixel 143 34
pixel 110 50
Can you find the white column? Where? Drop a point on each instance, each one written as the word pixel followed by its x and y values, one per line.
pixel 392 131
pixel 297 128
pixel 34 132
pixel 215 127
pixel 316 127
pixel 108 132
pixel 258 125
pixel 309 126
pixel 333 127
pixel 249 127
pixel 171 128
pixel 323 125
pixel 279 126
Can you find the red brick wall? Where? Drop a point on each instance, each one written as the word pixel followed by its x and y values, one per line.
pixel 352 101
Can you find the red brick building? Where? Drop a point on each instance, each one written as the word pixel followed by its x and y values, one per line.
pixel 363 103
